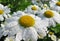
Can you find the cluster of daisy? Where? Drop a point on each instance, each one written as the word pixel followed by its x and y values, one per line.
pixel 30 24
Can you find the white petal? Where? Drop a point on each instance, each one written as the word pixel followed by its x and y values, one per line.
pixel 30 34
pixel 53 37
pixel 19 36
pixel 6 10
pixel 18 13
pixel 12 19
pixel 57 17
pixel 52 22
pixel 1 32
pixel 5 32
pixel 41 30
pixel 9 15
pixel 10 24
pixel 1 18
pixel 1 6
pixel 5 16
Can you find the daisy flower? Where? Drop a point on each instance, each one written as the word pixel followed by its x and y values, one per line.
pixel 32 9
pixel 25 26
pixel 51 16
pixel 4 12
pixel 55 5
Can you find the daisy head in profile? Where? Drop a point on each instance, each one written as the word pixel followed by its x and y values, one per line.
pixel 4 12
pixel 51 16
pixel 32 9
pixel 55 5
pixel 25 26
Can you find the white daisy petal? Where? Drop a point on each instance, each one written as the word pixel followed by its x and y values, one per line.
pixel 30 34
pixel 19 36
pixel 1 6
pixel 6 9
pixel 5 16
pixel 9 15
pixel 57 17
pixel 11 19
pixel 1 31
pixel 18 13
pixel 1 18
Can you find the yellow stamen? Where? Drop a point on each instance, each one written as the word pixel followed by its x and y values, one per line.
pixel 48 14
pixel 58 3
pixel 26 21
pixel 34 8
pixel 1 12
pixel 51 33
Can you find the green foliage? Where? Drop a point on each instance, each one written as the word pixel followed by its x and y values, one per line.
pixel 56 29
pixel 16 5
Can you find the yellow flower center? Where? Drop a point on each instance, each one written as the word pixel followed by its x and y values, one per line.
pixel 58 3
pixel 51 33
pixel 48 14
pixel 34 8
pixel 26 21
pixel 1 12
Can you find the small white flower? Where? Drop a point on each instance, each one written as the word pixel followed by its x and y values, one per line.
pixel 25 26
pixel 51 16
pixel 55 5
pixel 52 36
pixel 45 6
pixel 32 9
pixel 4 11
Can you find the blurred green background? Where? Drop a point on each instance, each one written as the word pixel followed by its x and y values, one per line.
pixel 16 5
